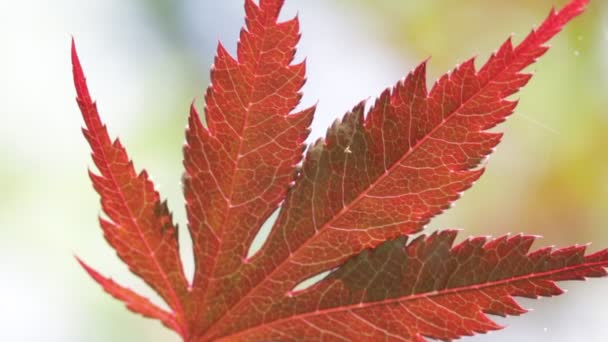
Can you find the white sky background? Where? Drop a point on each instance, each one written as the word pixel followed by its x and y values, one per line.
pixel 48 212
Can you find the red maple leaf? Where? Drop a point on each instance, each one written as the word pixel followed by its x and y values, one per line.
pixel 376 178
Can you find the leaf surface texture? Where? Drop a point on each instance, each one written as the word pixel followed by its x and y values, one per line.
pixel 377 177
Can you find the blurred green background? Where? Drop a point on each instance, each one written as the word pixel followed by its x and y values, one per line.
pixel 147 60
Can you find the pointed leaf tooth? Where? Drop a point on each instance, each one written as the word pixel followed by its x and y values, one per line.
pixel 597 256
pixel 541 253
pixel 596 272
pixel 506 306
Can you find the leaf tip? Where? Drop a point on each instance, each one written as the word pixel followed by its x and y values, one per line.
pixel 80 83
pixel 88 268
pixel 74 55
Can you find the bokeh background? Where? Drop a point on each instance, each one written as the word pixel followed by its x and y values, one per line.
pixel 147 60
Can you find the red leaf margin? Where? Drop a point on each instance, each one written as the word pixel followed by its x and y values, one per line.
pixel 139 226
pixel 427 288
pixel 240 167
pixel 432 143
pixel 136 213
